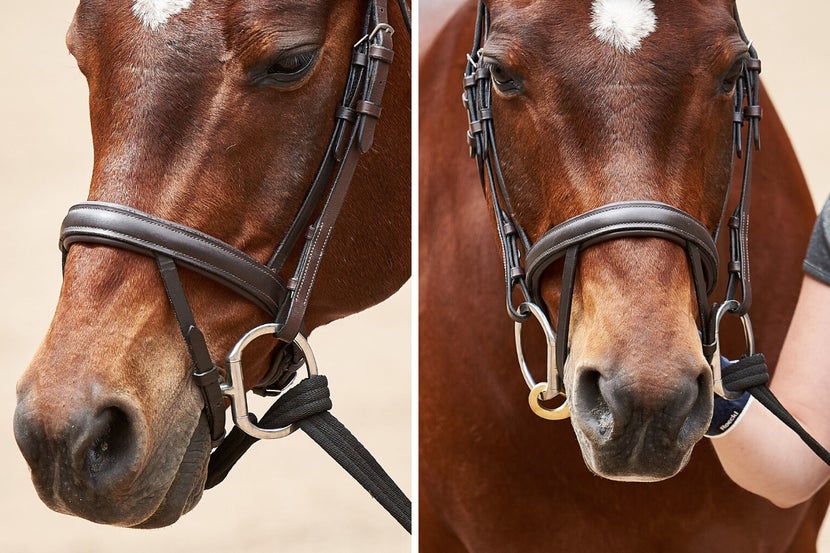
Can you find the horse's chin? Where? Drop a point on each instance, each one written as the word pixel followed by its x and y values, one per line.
pixel 632 465
pixel 186 488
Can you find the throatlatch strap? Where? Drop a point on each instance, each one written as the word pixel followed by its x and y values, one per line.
pixel 750 374
pixel 307 404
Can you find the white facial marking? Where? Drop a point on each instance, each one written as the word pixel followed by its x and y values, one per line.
pixel 623 23
pixel 155 13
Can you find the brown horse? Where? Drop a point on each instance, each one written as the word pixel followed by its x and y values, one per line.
pixel 593 106
pixel 214 115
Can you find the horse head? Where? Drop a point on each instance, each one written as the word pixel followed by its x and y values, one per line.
pixel 214 115
pixel 606 101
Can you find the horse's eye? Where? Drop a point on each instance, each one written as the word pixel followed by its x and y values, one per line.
pixel 288 68
pixel 292 64
pixel 505 81
pixel 731 77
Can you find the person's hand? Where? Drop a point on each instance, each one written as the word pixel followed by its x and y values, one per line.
pixel 727 412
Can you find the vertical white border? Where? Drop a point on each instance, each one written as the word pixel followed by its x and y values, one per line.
pixel 416 56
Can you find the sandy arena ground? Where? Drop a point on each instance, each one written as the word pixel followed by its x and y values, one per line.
pixel 286 495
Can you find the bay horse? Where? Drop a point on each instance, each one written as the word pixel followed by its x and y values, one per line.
pixel 593 102
pixel 209 119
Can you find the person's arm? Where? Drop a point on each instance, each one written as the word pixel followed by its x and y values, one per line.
pixel 763 455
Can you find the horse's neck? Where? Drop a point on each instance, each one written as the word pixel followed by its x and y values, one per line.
pixel 460 270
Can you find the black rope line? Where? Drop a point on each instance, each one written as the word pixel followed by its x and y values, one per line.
pixel 307 404
pixel 749 374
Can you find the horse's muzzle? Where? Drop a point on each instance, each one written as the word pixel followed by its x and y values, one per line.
pixel 91 455
pixel 635 432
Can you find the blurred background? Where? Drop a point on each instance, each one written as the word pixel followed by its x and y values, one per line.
pixel 284 495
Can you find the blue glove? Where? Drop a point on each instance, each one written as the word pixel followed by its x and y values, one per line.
pixel 727 412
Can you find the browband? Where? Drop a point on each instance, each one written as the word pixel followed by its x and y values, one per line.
pixel 131 229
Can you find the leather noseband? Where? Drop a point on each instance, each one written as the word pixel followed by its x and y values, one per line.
pixel 127 228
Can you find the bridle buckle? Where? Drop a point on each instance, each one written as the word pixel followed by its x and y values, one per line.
pixel 380 27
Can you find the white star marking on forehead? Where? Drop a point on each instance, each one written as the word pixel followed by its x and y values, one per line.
pixel 623 23
pixel 155 13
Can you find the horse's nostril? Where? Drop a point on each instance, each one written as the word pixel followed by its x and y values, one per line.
pixel 81 457
pixel 105 448
pixel 588 398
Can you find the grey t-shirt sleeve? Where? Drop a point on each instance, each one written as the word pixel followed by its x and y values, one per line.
pixel 817 262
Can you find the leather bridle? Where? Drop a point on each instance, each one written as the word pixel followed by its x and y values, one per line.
pixel 173 245
pixel 526 262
